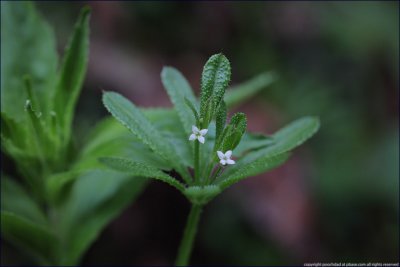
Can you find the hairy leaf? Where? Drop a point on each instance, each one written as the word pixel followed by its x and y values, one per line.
pixel 132 118
pixel 215 78
pixel 233 133
pixel 140 169
pixel 178 90
pixel 258 166
pixel 201 195
pixel 220 119
pixel 284 140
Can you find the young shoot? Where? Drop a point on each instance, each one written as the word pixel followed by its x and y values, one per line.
pixel 212 167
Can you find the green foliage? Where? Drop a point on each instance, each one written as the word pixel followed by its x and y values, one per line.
pixel 22 26
pixel 258 153
pixel 140 169
pixel 36 240
pixel 71 76
pixel 96 198
pixel 132 118
pixel 201 195
pixel 242 92
pixel 232 134
pixel 181 95
pixel 67 196
pixel 214 81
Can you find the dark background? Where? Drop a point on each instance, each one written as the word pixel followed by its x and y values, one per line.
pixel 335 200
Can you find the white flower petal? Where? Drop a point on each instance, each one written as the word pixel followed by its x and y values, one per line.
pixel 230 161
pixel 228 153
pixel 201 139
pixel 222 161
pixel 203 132
pixel 195 129
pixel 192 137
pixel 220 154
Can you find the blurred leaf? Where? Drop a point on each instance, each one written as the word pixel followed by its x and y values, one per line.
pixel 27 47
pixel 132 118
pixel 243 92
pixel 72 73
pixel 14 199
pixel 111 138
pixel 35 239
pixel 96 198
pixel 178 89
pixel 252 141
pixel 214 80
pixel 140 169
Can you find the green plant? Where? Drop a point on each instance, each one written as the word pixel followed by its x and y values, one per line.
pixel 59 198
pixel 201 140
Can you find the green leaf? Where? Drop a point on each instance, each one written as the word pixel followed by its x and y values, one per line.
pixel 95 199
pixel 178 90
pixel 215 78
pixel 132 118
pixel 140 169
pixel 220 119
pixel 293 135
pixel 13 131
pixel 201 195
pixel 72 73
pixel 35 239
pixel 285 140
pixel 193 109
pixel 111 138
pixel 258 166
pixel 252 141
pixel 233 133
pixel 27 47
pixel 14 199
pixel 242 92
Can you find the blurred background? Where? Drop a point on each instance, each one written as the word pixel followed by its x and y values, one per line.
pixel 335 200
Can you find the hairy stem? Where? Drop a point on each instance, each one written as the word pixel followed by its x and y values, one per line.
pixel 186 245
pixel 196 161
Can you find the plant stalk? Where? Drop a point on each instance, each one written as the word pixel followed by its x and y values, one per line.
pixel 185 248
pixel 196 160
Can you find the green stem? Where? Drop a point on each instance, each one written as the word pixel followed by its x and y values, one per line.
pixel 196 160
pixel 186 245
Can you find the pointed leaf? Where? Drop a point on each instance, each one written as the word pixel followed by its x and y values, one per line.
pixel 178 89
pixel 132 118
pixel 258 166
pixel 233 133
pixel 220 119
pixel 285 140
pixel 72 73
pixel 140 169
pixel 215 78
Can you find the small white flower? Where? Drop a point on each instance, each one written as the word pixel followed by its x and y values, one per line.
pixel 198 134
pixel 225 158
